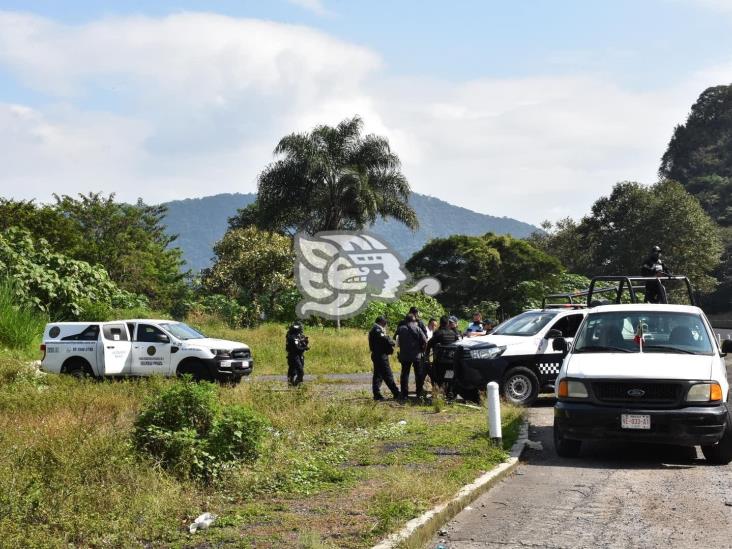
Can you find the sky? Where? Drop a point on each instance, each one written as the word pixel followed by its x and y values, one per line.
pixel 530 110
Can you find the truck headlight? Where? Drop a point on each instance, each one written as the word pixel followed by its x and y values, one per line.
pixel 221 353
pixel 569 388
pixel 704 392
pixel 486 354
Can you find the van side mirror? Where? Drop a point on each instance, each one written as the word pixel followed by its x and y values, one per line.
pixel 559 344
pixel 162 338
pixel 726 346
pixel 553 334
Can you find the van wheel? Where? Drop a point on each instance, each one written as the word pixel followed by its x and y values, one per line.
pixel 197 370
pixel 720 453
pixel 520 386
pixel 565 447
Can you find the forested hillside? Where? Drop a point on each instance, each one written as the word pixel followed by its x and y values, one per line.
pixel 200 222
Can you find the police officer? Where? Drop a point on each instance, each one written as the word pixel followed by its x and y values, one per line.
pixel 444 335
pixel 381 346
pixel 296 343
pixel 654 266
pixel 412 342
pixel 414 311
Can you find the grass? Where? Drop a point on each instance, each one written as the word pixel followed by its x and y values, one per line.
pixel 336 470
pixel 20 328
pixel 332 351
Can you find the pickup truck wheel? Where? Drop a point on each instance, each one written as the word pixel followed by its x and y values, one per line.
pixel 520 386
pixel 197 370
pixel 565 447
pixel 721 453
pixel 78 368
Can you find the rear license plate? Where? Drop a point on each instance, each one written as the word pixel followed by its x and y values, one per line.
pixel 635 421
pixel 449 374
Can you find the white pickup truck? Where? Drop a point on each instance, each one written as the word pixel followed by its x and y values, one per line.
pixel 141 348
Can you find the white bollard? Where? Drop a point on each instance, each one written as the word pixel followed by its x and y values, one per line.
pixel 494 414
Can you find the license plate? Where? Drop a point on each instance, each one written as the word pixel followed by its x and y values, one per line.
pixel 449 374
pixel 635 421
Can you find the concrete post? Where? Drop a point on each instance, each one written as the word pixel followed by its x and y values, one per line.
pixel 494 414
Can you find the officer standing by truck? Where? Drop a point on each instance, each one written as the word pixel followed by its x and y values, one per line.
pixel 654 266
pixel 296 343
pixel 444 335
pixel 381 346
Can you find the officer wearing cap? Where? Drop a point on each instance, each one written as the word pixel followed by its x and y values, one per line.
pixel 296 343
pixel 381 346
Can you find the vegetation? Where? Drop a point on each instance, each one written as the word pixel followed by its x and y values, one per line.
pixel 474 270
pixel 329 179
pixel 621 229
pixel 20 326
pixel 127 241
pixel 253 268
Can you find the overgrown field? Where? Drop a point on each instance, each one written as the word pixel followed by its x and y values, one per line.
pixel 332 351
pixel 335 469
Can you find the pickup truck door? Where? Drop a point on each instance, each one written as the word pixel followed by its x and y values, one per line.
pixel 548 360
pixel 116 350
pixel 150 351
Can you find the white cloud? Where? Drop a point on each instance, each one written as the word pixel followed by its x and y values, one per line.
pixel 193 104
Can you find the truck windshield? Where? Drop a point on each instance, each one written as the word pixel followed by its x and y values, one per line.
pixel 525 324
pixel 644 331
pixel 182 331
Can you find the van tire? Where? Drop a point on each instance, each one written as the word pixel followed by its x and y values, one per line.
pixel 565 447
pixel 196 369
pixel 520 386
pixel 720 453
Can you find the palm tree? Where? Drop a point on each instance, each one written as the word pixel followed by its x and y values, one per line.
pixel 330 179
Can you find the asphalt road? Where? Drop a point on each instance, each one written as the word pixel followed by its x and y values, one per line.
pixel 613 496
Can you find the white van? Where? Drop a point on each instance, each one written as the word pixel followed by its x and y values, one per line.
pixel 647 373
pixel 141 348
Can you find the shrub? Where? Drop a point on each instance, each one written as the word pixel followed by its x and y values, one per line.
pixel 20 326
pixel 186 429
pixel 396 310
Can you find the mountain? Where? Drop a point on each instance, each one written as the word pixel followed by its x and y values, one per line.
pixel 200 222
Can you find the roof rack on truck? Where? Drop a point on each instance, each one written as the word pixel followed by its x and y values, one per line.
pixel 626 288
pixel 570 300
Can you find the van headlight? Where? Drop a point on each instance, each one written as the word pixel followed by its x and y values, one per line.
pixel 570 388
pixel 704 392
pixel 486 354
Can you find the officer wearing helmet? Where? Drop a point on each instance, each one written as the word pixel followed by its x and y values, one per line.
pixel 655 267
pixel 296 343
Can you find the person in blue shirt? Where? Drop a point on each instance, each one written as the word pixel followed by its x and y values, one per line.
pixel 476 327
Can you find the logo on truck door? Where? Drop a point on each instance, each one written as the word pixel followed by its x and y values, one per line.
pixel 151 350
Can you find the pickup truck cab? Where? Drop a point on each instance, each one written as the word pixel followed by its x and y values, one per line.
pixel 647 373
pixel 141 348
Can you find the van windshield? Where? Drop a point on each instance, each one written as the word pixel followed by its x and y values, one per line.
pixel 525 324
pixel 644 331
pixel 182 331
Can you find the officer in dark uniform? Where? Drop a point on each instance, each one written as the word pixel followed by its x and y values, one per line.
pixel 415 312
pixel 444 335
pixel 381 346
pixel 296 343
pixel 654 266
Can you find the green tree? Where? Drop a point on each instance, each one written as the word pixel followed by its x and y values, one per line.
pixel 699 154
pixel 478 269
pixel 329 179
pixel 253 267
pixel 621 229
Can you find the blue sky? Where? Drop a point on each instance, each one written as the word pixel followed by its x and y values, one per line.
pixel 528 109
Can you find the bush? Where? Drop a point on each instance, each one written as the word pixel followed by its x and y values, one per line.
pixel 186 429
pixel 396 310
pixel 20 326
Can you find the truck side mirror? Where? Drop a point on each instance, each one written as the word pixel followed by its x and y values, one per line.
pixel 162 338
pixel 726 346
pixel 553 334
pixel 559 344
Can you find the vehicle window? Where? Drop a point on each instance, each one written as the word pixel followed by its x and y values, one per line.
pixel 114 332
pixel 644 331
pixel 568 325
pixel 90 333
pixel 182 331
pixel 526 324
pixel 148 334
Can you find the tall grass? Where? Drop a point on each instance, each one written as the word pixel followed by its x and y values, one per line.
pixel 20 327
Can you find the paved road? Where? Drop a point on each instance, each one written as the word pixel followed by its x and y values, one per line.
pixel 613 496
